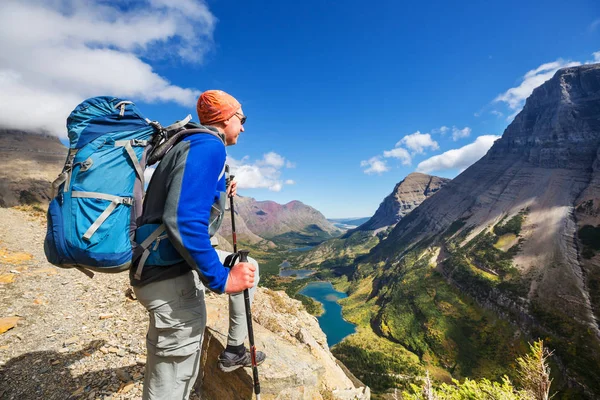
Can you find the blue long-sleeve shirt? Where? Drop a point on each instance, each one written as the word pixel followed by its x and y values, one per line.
pixel 181 194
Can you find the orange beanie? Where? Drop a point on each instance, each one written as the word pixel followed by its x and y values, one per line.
pixel 216 105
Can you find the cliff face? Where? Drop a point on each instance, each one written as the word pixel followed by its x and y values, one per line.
pixel 299 364
pixel 539 183
pixel 28 164
pixel 406 196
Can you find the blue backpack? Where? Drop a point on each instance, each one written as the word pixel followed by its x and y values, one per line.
pixel 97 199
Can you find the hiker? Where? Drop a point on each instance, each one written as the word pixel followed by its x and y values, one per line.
pixel 187 194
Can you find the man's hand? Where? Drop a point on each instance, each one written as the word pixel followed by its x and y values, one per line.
pixel 241 277
pixel 232 188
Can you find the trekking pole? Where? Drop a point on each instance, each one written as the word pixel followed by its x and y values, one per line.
pixel 244 258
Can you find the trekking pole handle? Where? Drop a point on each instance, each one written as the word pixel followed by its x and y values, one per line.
pixel 243 255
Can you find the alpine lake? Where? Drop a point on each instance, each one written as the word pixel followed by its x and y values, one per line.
pixel 331 321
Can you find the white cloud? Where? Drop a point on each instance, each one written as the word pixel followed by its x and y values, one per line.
pixel 596 56
pixel 443 130
pixel 56 53
pixel 261 174
pixel 273 159
pixel 595 24
pixel 399 153
pixel 376 165
pixel 460 133
pixel 497 113
pixel 515 97
pixel 417 142
pixel 458 158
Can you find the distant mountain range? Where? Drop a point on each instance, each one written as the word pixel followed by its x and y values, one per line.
pixel 290 225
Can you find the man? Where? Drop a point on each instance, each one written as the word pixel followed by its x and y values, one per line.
pixel 187 196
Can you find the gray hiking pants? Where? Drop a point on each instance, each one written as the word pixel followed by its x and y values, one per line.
pixel 174 340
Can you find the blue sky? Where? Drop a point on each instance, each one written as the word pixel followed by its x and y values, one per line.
pixel 343 99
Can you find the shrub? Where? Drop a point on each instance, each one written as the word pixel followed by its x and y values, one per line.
pixel 533 374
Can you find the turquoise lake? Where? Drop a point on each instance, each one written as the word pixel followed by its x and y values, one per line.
pixel 331 322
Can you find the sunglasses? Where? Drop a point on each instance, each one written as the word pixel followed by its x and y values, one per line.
pixel 242 118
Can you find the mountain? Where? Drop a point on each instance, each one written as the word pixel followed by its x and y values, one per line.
pixel 29 162
pixel 292 224
pixel 406 196
pixel 518 232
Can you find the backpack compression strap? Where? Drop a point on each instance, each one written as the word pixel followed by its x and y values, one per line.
pixel 128 146
pixel 145 245
pixel 114 202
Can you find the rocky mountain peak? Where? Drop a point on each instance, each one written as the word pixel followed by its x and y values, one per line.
pixel 406 196
pixel 559 125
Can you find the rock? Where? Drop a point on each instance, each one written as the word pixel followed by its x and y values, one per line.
pixel 123 375
pixel 8 323
pixel 140 361
pixel 121 353
pixel 7 278
pixel 71 340
pixel 130 294
pixel 127 387
pixel 313 368
pixel 105 316
pixel 113 350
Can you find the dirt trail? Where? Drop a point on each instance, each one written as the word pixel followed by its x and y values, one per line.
pixel 76 337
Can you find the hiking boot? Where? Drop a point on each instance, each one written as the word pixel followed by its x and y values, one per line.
pixel 231 361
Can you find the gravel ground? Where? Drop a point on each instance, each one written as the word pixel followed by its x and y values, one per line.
pixel 76 337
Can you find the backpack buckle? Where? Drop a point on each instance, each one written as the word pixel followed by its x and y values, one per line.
pixel 127 201
pixel 139 142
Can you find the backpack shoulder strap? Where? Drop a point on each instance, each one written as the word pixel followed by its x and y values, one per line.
pixel 161 149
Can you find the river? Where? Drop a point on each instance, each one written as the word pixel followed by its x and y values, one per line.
pixel 331 322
